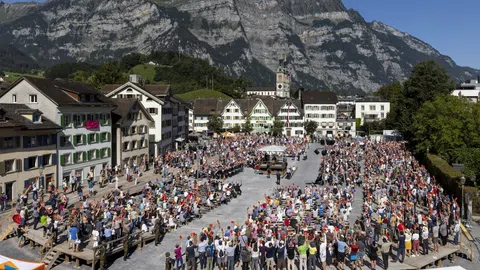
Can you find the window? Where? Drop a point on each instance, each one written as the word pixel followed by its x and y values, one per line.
pixel 11 142
pixel 125 131
pixel 139 97
pixel 65 141
pixel 46 160
pixel 36 118
pixel 66 159
pixel 382 107
pixel 139 116
pixel 120 96
pixel 236 110
pixel 152 110
pixel 78 139
pixel 92 138
pixel 14 98
pixel 228 110
pixel 67 120
pixel 9 165
pixel 105 136
pixel 30 163
pixel 372 108
pixel 362 107
pixel 92 154
pixel 382 115
pixel 126 146
pixel 133 130
pixel 144 143
pixel 77 120
pixel 78 157
pixel 135 145
pixel 2 115
pixel 33 99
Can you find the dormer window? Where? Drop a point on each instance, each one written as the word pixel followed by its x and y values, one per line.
pixel 83 97
pixel 36 118
pixel 33 99
pixel 2 116
pixel 91 98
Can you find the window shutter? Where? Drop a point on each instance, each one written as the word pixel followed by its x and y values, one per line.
pixel 97 154
pixel 97 137
pixel 62 160
pixel 89 155
pixel 25 164
pixel 18 165
pixel 2 167
pixel 26 142
pixel 40 162
pixel 83 119
pixel 75 157
pixel 40 140
pixel 88 139
pixel 54 139
pixel 62 121
pixel 17 141
pixel 109 152
pixel 84 138
pixel 107 136
pixel 84 156
pixel 74 139
pixel 54 159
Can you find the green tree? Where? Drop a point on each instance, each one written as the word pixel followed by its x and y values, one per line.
pixel 394 93
pixel 108 73
pixel 81 76
pixel 131 60
pixel 372 127
pixel 428 81
pixel 310 127
pixel 247 126
pixel 2 73
pixel 215 123
pixel 277 127
pixel 236 128
pixel 444 125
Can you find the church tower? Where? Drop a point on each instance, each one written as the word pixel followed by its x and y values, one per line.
pixel 283 79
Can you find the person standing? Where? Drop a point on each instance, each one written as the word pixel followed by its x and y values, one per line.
pixel 246 256
pixel 103 256
pixel 278 177
pixel 255 257
pixel 126 243
pixel 302 251
pixel 385 251
pixel 312 256
pixel 323 252
pixel 373 254
pixel 401 248
pixel 341 248
pixel 201 252
pixel 281 254
pixel 210 254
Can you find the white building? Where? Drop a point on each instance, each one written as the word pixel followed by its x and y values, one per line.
pixel 232 115
pixel 84 144
pixel 261 117
pixel 371 109
pixel 190 119
pixel 469 89
pixel 290 111
pixel 321 107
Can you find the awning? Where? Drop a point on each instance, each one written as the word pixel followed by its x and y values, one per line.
pixel 273 149
pixel 9 263
pixel 179 139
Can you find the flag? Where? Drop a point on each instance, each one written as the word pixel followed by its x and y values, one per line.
pixel 91 124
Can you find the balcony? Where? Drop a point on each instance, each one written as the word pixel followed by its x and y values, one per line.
pixel 345 108
pixel 371 117
pixel 343 118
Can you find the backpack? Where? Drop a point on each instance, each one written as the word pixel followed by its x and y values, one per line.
pixel 209 251
pixel 220 253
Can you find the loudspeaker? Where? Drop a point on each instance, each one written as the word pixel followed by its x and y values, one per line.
pixel 322 142
pixel 324 152
pixel 316 151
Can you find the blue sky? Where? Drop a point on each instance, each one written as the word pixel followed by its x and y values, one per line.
pixel 449 26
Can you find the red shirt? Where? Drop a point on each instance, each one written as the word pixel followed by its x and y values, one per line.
pixel 353 249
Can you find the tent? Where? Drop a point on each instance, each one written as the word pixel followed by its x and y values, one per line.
pixel 273 149
pixel 12 264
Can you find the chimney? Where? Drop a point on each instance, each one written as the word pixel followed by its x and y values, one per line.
pixel 300 90
pixel 135 78
pixel 478 78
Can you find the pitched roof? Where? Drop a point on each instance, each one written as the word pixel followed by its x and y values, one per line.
pixel 15 119
pixel 124 106
pixel 154 89
pixel 315 97
pixel 56 90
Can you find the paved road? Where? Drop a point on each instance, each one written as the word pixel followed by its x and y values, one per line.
pixel 357 200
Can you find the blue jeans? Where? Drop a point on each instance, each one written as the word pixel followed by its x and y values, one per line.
pixel 231 262
pixel 179 263
pixel 203 260
pixel 400 252
pixel 455 239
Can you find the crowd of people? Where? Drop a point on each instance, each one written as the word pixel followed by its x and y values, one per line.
pixel 319 226
pixel 186 184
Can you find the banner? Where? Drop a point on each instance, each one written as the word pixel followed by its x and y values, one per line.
pixel 91 124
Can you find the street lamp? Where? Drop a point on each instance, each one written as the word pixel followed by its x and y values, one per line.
pixel 462 182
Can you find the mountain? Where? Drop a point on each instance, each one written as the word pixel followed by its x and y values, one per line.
pixel 10 12
pixel 328 46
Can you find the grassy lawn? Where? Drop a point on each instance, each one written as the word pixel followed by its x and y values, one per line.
pixel 204 93
pixel 145 70
pixel 13 76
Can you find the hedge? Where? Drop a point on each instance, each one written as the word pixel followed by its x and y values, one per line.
pixel 449 178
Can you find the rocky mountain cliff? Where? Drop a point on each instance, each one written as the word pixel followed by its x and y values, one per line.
pixel 328 46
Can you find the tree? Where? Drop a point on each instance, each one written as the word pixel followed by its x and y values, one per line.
pixel 370 127
pixel 108 73
pixel 2 73
pixel 444 125
pixel 131 60
pixel 394 93
pixel 428 81
pixel 247 127
pixel 277 127
pixel 236 128
pixel 215 123
pixel 310 127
